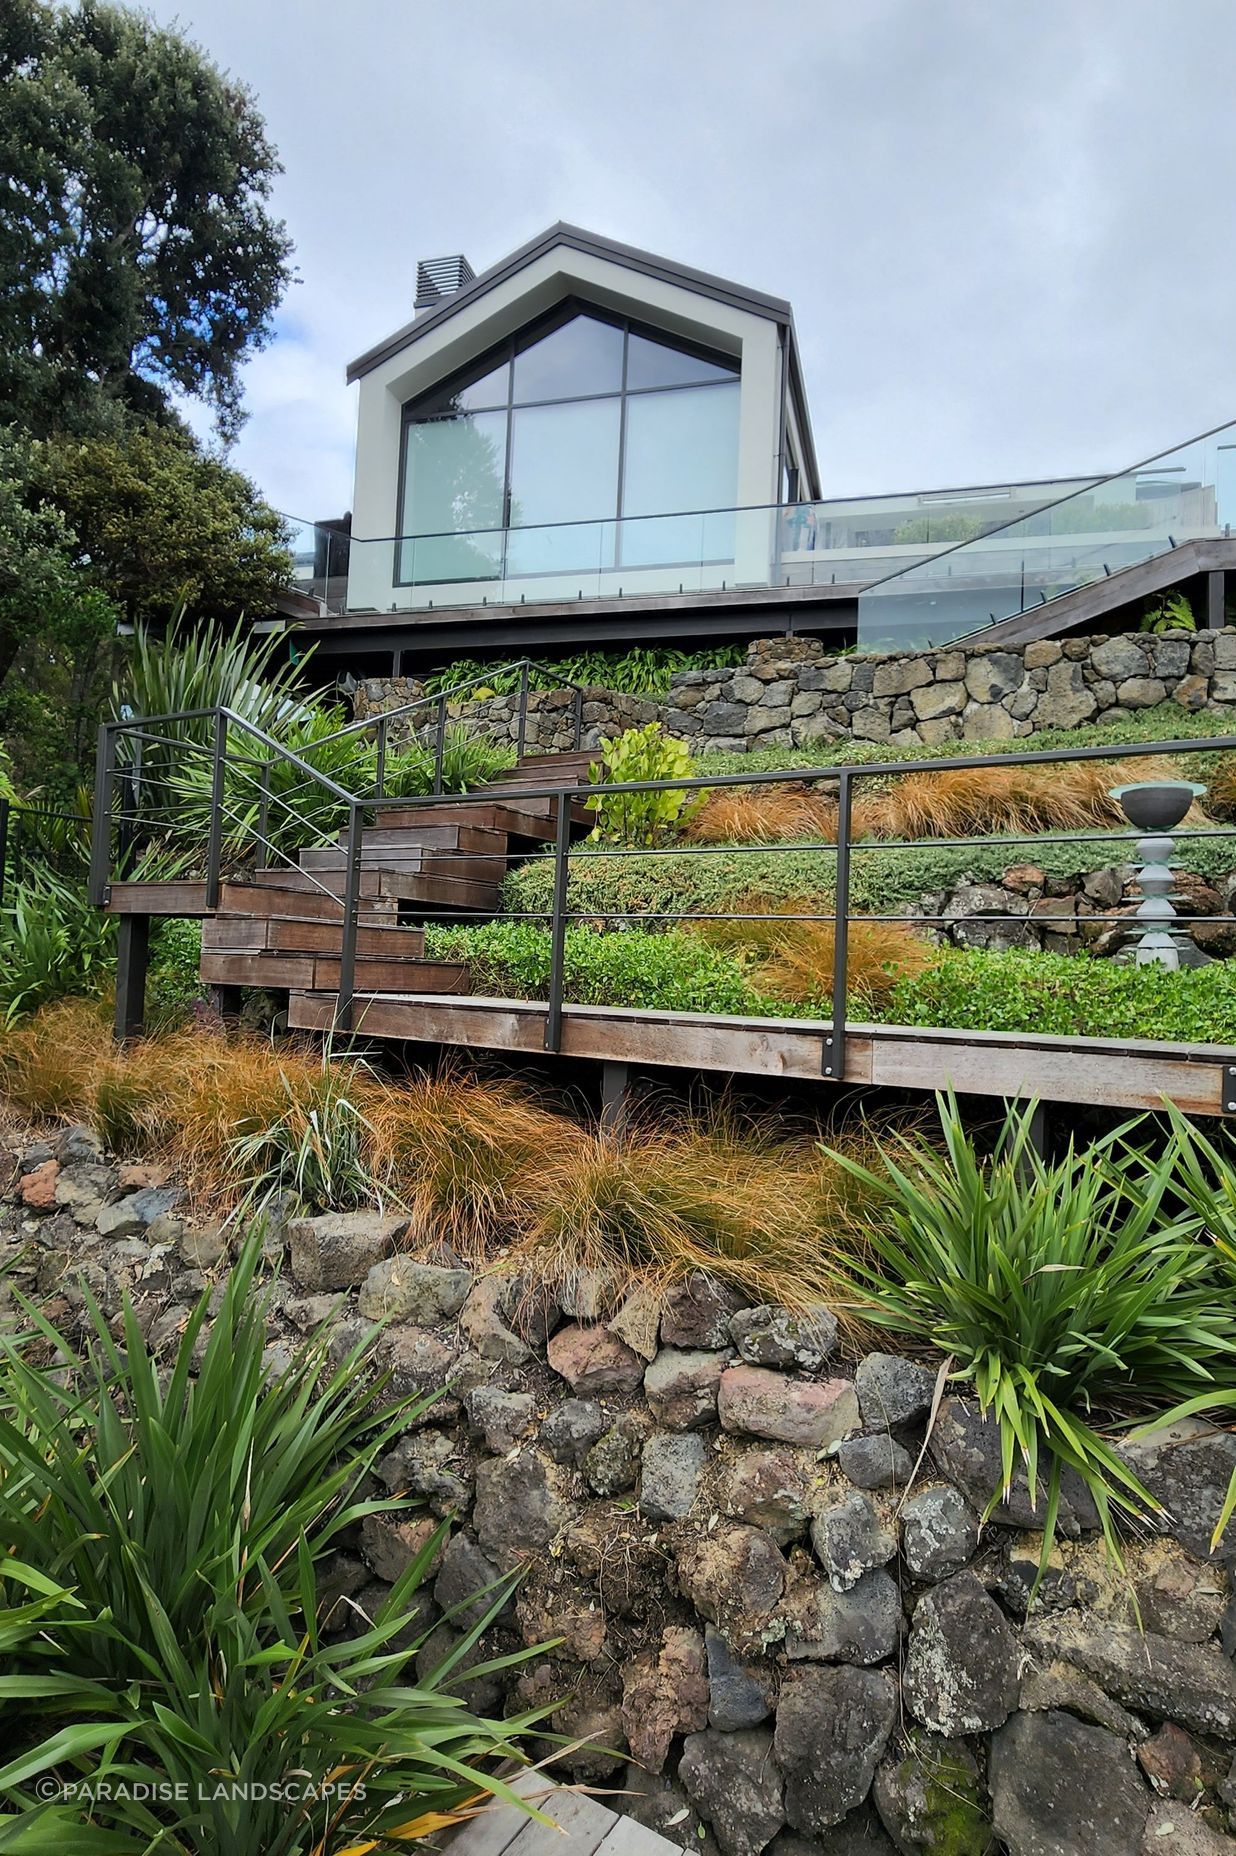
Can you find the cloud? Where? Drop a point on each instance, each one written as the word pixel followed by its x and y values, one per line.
pixel 1002 228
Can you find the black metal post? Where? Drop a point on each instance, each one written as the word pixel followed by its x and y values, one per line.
pixel 615 1096
pixel 1215 600
pixel 558 924
pixel 523 710
pixel 132 948
pixel 577 730
pixel 101 818
pixel 214 843
pixel 263 818
pixel 440 748
pixel 380 776
pixel 834 1043
pixel 351 911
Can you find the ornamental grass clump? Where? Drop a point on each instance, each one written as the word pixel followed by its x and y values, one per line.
pixel 773 814
pixel 165 1523
pixel 48 1063
pixel 1070 1294
pixel 792 959
pixel 982 801
pixel 464 1156
pixel 661 1201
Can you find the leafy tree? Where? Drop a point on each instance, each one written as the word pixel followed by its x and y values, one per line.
pixel 160 524
pixel 56 629
pixel 139 259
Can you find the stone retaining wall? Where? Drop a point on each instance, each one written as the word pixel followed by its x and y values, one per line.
pixel 776 1632
pixel 792 693
pixel 976 693
pixel 1094 912
pixel 550 726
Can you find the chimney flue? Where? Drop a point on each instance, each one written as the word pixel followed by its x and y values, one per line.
pixel 438 278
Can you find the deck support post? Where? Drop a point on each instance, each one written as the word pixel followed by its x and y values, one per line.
pixel 1215 600
pixel 226 1000
pixel 615 1096
pixel 132 951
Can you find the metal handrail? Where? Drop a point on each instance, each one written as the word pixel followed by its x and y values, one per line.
pixel 380 723
pixel 833 1060
pixel 226 719
pixel 566 797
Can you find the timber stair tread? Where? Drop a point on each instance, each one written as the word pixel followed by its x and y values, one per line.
pixel 281 927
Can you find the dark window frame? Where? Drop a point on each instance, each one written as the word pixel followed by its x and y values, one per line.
pixel 413 413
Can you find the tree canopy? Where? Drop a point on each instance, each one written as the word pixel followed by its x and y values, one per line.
pixel 139 258
pixel 160 523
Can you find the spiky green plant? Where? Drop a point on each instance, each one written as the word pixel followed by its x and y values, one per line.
pixel 316 1148
pixel 170 1520
pixel 1066 1292
pixel 468 761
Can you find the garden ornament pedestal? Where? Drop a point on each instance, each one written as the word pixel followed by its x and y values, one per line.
pixel 1155 807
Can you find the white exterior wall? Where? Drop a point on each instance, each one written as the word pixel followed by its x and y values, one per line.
pixel 751 339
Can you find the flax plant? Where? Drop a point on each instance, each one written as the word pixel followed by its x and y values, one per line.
pixel 1069 1294
pixel 161 1538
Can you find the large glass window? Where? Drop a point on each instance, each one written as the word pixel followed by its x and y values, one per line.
pixel 530 461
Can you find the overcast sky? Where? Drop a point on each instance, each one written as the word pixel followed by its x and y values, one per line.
pixel 1006 229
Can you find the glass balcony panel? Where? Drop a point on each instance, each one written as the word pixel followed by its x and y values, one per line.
pixel 1183 495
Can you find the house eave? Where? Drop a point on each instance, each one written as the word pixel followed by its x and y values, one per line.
pixel 575 238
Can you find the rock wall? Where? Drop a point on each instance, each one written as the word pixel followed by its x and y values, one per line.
pixel 972 693
pixel 779 1629
pixel 791 693
pixel 1094 912
pixel 550 726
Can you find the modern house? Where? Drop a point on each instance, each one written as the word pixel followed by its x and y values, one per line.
pixel 587 445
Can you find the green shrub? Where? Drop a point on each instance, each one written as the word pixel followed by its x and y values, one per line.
pixel 881 878
pixel 646 753
pixel 172 1519
pixel 1065 1293
pixel 637 672
pixel 173 979
pixel 671 972
pixel 670 883
pixel 53 944
pixel 1065 995
pixel 1172 613
pixel 468 761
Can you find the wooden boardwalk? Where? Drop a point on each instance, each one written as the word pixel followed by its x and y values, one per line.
pixel 586 1827
pixel 282 929
pixel 1116 1073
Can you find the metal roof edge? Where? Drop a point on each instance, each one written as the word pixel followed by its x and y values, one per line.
pixel 738 296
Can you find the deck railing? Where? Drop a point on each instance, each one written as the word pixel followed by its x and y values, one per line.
pixel 233 759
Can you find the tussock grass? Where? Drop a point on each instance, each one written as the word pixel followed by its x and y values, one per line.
pixel 48 1063
pixel 764 815
pixel 1070 796
pixel 1220 796
pixel 793 960
pixel 720 1195
pixel 482 1165
pixel 464 1155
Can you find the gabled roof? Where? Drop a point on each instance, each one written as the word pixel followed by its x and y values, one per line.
pixel 575 238
pixel 738 296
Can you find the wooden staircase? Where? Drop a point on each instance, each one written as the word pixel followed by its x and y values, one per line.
pixel 281 928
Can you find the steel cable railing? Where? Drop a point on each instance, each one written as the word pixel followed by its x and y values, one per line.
pixel 253 826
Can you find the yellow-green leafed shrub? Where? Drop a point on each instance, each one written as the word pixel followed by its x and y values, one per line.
pixel 643 818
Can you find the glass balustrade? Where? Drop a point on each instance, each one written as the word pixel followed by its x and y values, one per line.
pixel 846 543
pixel 1188 494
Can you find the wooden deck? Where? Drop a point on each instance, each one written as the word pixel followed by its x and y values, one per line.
pixel 282 929
pixel 586 1827
pixel 1129 1074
